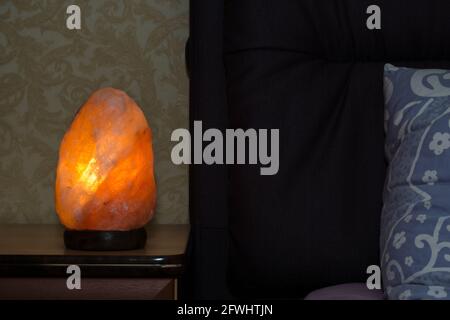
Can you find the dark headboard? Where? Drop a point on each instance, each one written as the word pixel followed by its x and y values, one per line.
pixel 313 70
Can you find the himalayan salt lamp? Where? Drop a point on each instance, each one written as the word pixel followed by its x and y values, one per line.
pixel 105 189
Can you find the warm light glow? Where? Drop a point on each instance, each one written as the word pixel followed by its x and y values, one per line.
pixel 89 177
pixel 105 176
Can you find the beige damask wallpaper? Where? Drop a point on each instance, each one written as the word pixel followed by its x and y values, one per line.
pixel 48 71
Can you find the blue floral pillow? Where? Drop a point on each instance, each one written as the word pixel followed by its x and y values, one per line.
pixel 415 225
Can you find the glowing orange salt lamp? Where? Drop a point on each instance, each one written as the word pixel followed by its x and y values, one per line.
pixel 105 188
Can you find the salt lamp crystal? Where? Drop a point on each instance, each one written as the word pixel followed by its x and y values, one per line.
pixel 104 179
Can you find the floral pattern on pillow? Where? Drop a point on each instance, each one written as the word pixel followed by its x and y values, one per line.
pixel 415 224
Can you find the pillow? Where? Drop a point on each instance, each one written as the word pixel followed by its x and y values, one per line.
pixel 415 223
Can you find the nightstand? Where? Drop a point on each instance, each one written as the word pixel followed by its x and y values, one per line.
pixel 34 262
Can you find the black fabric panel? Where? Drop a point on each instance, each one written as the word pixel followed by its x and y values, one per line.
pixel 208 200
pixel 336 30
pixel 316 222
pixel 313 70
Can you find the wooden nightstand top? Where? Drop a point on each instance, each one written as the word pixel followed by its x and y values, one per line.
pixel 38 250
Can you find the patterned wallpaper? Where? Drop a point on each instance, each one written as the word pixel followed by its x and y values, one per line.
pixel 47 72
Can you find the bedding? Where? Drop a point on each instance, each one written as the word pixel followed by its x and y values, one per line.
pixel 313 70
pixel 415 227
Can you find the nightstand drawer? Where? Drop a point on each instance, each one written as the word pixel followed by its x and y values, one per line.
pixel 91 289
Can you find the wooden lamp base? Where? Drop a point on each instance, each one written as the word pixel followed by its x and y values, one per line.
pixel 105 240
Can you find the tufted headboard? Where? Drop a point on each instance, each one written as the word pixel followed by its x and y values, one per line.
pixel 315 71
